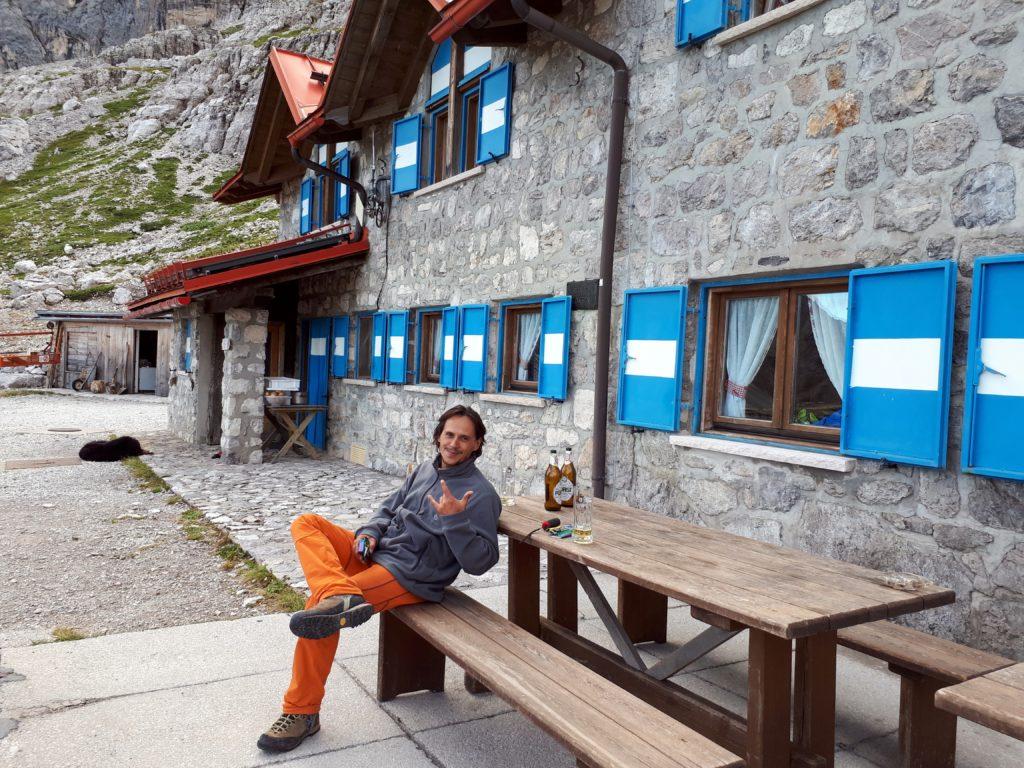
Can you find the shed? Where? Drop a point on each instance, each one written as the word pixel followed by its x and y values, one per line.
pixel 134 353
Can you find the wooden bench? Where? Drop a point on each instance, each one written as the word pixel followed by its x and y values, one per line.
pixel 995 700
pixel 925 664
pixel 600 723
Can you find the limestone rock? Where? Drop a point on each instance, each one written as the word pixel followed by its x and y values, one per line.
pixel 121 295
pixel 961 538
pixel 830 219
pixel 761 107
pixel 831 118
pixel 1001 34
pixel 808 169
pixel 727 151
pixel 862 162
pixel 883 491
pixel 897 150
pixel 795 41
pixel 873 56
pixel 24 266
pixel 804 89
pixel 975 76
pixel 760 228
pixel 997 503
pixel 52 296
pixel 922 37
pixel 782 130
pixel 844 19
pixel 984 196
pixel 884 9
pixel 907 207
pixel 751 182
pixel 943 144
pixel 910 92
pixel 141 130
pixel 706 192
pixel 14 138
pixel 1010 119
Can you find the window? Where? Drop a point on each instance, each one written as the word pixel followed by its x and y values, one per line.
pixel 453 108
pixel 186 346
pixel 428 358
pixel 776 356
pixel 364 350
pixel 520 353
pixel 697 20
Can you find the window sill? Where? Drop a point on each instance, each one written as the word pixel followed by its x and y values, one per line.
pixel 425 389
pixel 450 181
pixel 360 382
pixel 523 401
pixel 830 462
pixel 761 23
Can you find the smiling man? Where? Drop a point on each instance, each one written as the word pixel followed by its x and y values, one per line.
pixel 443 520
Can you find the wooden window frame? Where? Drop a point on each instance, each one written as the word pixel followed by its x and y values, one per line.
pixel 510 346
pixel 361 359
pixel 780 428
pixel 426 342
pixel 461 90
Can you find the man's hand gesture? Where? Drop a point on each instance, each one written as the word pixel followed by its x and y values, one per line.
pixel 448 504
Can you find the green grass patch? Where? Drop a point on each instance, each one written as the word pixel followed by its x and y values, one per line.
pixel 66 634
pixel 281 34
pixel 25 393
pixel 144 476
pixel 219 181
pixel 228 31
pixel 84 294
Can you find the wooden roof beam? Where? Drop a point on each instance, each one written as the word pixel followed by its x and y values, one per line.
pixel 381 29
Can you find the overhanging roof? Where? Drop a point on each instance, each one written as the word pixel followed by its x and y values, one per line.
pixel 177 284
pixel 293 85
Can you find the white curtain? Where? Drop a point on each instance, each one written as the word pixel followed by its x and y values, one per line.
pixel 828 324
pixel 749 335
pixel 529 334
pixel 435 360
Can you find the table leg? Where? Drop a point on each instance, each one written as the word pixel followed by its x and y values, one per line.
pixel 292 433
pixel 562 593
pixel 524 585
pixel 768 701
pixel 300 437
pixel 927 734
pixel 643 613
pixel 814 697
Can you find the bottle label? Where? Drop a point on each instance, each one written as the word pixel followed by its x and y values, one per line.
pixel 563 491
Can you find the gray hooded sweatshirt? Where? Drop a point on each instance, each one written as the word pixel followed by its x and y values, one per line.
pixel 425 551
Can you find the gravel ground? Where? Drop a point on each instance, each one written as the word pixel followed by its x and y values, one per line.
pixel 82 546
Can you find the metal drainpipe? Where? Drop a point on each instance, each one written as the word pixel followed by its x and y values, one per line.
pixel 359 189
pixel 620 84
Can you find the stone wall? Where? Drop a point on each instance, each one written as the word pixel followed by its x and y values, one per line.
pixel 245 336
pixel 868 132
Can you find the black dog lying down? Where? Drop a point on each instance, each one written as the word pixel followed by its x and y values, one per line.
pixel 112 450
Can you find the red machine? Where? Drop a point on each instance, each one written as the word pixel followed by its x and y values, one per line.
pixel 49 355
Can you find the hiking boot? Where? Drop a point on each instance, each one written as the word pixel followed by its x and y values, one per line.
pixel 288 731
pixel 329 615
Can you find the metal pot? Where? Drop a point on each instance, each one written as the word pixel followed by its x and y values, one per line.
pixel 299 398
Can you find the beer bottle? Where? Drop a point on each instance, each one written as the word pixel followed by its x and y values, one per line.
pixel 565 491
pixel 551 477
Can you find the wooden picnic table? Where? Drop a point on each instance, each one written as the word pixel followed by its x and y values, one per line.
pixel 281 422
pixel 995 700
pixel 730 582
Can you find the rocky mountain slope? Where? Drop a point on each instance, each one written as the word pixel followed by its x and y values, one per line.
pixel 37 31
pixel 107 162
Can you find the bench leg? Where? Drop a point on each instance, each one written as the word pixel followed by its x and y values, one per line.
pixel 643 613
pixel 814 697
pixel 405 661
pixel 473 685
pixel 563 607
pixel 927 734
pixel 768 701
pixel 524 586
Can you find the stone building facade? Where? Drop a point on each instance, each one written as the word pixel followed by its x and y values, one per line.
pixel 856 133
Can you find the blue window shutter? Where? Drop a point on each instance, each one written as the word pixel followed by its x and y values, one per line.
pixel 342 164
pixel 314 205
pixel 896 382
pixel 449 347
pixel 651 357
pixel 339 347
pixel 495 115
pixel 187 345
pixel 378 346
pixel 697 20
pixel 317 380
pixel 440 71
pixel 405 154
pixel 395 346
pixel 305 206
pixel 994 400
pixel 555 321
pixel 473 319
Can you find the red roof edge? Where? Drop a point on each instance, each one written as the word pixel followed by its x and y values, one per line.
pixel 156 305
pixel 455 16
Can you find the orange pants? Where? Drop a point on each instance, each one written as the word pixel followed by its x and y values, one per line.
pixel 332 568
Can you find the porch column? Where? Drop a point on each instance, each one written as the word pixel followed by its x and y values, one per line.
pixel 245 336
